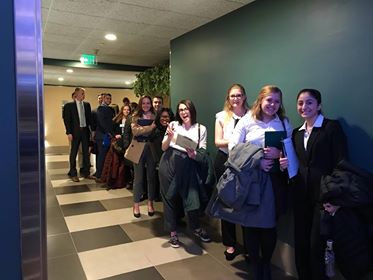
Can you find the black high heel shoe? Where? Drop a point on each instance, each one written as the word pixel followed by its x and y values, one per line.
pixel 136 215
pixel 230 256
pixel 150 213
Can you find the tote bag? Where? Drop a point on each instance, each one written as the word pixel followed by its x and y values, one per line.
pixel 134 151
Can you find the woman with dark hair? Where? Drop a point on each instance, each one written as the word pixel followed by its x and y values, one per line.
pixel 162 120
pixel 235 107
pixel 142 126
pixel 319 144
pixel 178 171
pixel 266 114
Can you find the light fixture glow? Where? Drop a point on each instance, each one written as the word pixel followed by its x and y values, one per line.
pixel 69 70
pixel 111 37
pixel 128 82
pixel 61 79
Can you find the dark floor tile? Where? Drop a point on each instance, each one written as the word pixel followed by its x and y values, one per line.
pixel 71 189
pixel 117 203
pixel 57 165
pixel 82 208
pixel 54 212
pixel 278 274
pixel 149 273
pixel 66 267
pixel 98 238
pixel 97 186
pixel 56 225
pixel 51 200
pixel 145 229
pixel 60 245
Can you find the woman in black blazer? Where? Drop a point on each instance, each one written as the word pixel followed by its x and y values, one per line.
pixel 320 144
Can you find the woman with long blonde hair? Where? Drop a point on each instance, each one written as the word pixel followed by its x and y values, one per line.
pixel 235 107
pixel 266 114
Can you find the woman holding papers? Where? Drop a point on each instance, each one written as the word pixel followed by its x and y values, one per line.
pixel 235 107
pixel 178 170
pixel 319 144
pixel 266 114
pixel 142 125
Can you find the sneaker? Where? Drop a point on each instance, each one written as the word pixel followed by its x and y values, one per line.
pixel 202 234
pixel 174 241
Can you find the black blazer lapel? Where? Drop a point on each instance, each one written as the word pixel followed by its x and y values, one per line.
pixel 299 143
pixel 313 138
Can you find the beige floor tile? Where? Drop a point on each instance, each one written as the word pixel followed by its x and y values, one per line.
pixel 109 261
pixel 92 196
pixel 106 218
pixel 57 158
pixel 113 260
pixel 199 268
pixel 58 171
pixel 159 251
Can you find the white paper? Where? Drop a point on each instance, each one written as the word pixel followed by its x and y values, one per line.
pixel 185 142
pixel 291 156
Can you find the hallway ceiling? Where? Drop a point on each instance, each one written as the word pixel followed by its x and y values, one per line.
pixel 144 29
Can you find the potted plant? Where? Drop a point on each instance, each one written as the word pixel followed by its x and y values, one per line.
pixel 153 81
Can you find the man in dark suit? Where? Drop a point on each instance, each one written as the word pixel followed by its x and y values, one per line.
pixel 94 125
pixel 77 120
pixel 104 128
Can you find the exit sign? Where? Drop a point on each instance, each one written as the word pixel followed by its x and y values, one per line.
pixel 88 59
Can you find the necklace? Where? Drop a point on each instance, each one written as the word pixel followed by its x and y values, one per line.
pixel 309 129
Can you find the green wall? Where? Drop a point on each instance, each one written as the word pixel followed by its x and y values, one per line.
pixel 324 44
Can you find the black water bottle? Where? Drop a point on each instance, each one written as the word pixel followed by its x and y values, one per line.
pixel 329 259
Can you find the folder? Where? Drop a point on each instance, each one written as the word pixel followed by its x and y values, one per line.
pixel 289 152
pixel 185 142
pixel 274 139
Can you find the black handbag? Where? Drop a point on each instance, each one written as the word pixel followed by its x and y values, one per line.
pixel 117 146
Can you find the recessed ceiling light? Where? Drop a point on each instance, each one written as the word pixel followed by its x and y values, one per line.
pixel 69 70
pixel 111 37
pixel 128 82
pixel 61 79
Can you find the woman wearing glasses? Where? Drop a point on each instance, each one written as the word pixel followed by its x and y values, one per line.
pixel 235 107
pixel 178 171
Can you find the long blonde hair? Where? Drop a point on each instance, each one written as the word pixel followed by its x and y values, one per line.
pixel 228 109
pixel 256 109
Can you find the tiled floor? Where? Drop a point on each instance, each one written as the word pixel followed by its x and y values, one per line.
pixel 92 234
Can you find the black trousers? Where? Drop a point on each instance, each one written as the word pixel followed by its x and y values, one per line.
pixel 83 138
pixel 308 243
pixel 170 167
pixel 260 244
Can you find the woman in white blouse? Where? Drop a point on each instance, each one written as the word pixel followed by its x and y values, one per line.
pixel 235 107
pixel 178 171
pixel 266 114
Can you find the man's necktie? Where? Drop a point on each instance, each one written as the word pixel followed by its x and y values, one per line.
pixel 82 115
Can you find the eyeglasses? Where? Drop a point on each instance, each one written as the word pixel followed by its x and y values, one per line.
pixel 233 96
pixel 183 109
